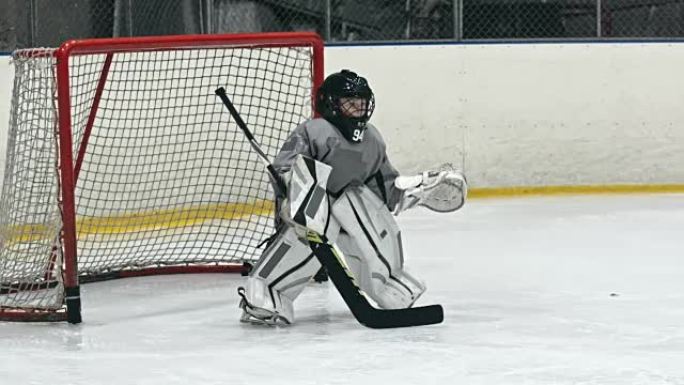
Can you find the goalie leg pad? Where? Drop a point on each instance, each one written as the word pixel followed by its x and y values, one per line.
pixel 371 243
pixel 281 274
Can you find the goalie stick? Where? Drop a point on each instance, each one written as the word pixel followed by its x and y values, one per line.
pixel 343 280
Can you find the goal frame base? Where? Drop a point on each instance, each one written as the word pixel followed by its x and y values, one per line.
pixel 62 315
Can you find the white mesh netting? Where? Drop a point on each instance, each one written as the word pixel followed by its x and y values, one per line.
pixel 165 178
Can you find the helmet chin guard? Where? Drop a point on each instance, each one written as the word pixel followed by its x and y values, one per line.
pixel 345 84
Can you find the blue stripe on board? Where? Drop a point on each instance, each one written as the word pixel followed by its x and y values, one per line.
pixel 506 42
pixel 490 42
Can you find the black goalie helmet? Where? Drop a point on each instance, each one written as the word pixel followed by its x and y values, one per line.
pixel 346 100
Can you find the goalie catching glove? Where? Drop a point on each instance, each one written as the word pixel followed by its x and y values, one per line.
pixel 442 191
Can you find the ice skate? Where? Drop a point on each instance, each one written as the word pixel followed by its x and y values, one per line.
pixel 258 315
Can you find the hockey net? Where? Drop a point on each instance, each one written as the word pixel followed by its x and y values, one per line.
pixel 122 161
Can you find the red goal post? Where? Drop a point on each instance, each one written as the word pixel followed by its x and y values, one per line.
pixel 121 162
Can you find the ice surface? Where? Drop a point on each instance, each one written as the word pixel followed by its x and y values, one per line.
pixel 567 290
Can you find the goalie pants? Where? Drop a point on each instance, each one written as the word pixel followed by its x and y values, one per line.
pixel 364 233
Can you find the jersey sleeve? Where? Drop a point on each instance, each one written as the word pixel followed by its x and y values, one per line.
pixel 382 183
pixel 297 143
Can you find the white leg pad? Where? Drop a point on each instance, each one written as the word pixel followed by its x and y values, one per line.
pixel 281 274
pixel 394 293
pixel 371 243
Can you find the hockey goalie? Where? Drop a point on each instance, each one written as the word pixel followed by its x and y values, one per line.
pixel 340 184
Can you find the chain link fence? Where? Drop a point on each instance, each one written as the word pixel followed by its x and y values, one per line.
pixel 41 23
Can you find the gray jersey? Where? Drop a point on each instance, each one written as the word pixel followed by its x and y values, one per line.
pixel 352 163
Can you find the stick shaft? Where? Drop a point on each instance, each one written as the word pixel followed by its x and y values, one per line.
pixel 280 184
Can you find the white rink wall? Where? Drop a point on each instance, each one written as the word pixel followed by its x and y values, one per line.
pixel 525 114
pixel 531 114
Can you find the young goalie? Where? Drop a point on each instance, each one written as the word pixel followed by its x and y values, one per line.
pixel 338 177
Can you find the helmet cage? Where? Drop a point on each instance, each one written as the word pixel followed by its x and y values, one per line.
pixel 345 84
